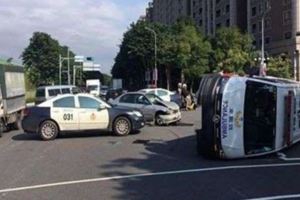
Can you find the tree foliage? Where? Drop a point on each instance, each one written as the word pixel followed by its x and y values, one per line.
pixel 232 50
pixel 179 48
pixel 41 59
pixel 192 49
pixel 279 66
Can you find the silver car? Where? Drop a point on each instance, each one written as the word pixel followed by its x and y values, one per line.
pixel 153 108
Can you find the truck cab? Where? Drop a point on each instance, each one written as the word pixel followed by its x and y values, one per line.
pixel 93 87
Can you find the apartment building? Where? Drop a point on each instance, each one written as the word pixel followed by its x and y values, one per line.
pixel 168 11
pixel 209 15
pixel 282 28
pixel 282 22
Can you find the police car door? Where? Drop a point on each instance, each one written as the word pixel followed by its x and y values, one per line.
pixel 63 111
pixel 92 115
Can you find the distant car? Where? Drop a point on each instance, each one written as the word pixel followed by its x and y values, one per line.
pixel 153 107
pixel 103 90
pixel 164 94
pixel 79 113
pixel 113 93
pixel 44 93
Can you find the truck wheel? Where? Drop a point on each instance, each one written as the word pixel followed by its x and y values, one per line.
pixel 48 130
pixel 122 126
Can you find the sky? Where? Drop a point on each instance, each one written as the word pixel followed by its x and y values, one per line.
pixel 89 27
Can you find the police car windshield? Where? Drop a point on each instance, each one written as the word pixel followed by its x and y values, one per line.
pixel 259 117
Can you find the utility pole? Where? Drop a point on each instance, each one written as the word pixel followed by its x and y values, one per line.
pixel 266 9
pixel 61 59
pixel 68 59
pixel 155 54
pixel 59 69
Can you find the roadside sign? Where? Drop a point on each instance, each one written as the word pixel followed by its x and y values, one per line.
pixel 79 59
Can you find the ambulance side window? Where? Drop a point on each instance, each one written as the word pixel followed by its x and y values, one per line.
pixel 87 102
pixel 66 102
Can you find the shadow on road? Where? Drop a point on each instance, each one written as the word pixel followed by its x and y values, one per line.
pixel 179 154
pixel 25 137
pixel 85 134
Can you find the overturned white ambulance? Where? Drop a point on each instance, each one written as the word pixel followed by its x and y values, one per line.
pixel 247 116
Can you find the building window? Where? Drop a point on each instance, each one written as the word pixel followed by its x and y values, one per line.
pixel 227 8
pixel 254 43
pixel 288 35
pixel 259 26
pixel 286 2
pixel 218 1
pixel 228 22
pixel 253 28
pixel 218 25
pixel 287 17
pixel 200 22
pixel 267 23
pixel 267 40
pixel 218 13
pixel 253 11
pixel 200 10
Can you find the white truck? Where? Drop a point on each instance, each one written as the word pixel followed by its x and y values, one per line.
pixel 93 86
pixel 246 116
pixel 12 95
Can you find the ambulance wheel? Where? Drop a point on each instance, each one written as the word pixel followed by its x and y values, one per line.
pixel 122 126
pixel 48 130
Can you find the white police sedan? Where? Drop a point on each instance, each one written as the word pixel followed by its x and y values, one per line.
pixel 81 112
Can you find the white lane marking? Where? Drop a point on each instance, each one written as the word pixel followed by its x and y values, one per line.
pixel 147 175
pixel 282 156
pixel 291 196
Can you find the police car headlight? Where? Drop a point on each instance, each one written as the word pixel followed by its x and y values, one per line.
pixel 136 113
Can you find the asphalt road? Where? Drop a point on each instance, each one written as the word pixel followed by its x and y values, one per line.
pixel 157 163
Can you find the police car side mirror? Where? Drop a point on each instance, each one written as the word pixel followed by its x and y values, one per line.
pixel 101 107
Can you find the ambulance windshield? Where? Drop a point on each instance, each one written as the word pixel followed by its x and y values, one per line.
pixel 259 117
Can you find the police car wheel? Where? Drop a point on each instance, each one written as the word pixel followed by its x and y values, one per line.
pixel 48 130
pixel 122 126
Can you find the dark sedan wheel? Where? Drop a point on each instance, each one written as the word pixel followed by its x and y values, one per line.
pixel 48 130
pixel 122 126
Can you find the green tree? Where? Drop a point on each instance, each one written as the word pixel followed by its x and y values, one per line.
pixel 135 56
pixel 40 59
pixel 180 48
pixel 192 50
pixel 106 79
pixel 232 50
pixel 280 66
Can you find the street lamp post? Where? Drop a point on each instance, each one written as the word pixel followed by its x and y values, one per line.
pixel 266 9
pixel 155 54
pixel 61 59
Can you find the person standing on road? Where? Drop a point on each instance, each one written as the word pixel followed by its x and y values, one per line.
pixel 179 88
